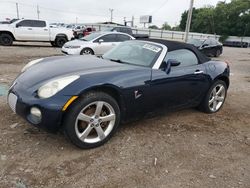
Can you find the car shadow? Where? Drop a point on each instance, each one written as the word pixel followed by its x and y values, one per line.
pixel 33 45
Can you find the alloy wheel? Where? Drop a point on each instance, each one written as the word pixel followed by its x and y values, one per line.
pixel 95 122
pixel 217 97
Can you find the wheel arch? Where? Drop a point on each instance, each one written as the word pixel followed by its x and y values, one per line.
pixel 8 32
pixel 223 78
pixel 111 90
pixel 61 35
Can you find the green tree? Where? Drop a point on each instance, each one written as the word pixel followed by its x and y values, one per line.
pixel 153 27
pixel 225 19
pixel 166 26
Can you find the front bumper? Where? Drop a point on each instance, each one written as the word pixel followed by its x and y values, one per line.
pixel 70 51
pixel 21 102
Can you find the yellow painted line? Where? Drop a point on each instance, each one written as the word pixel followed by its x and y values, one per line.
pixel 69 102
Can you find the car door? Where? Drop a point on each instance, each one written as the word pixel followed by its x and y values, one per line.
pixel 24 30
pixel 40 30
pixel 104 43
pixel 183 85
pixel 207 47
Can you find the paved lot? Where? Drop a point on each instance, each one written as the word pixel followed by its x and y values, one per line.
pixel 181 149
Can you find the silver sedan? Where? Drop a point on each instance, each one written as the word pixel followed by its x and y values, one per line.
pixel 95 44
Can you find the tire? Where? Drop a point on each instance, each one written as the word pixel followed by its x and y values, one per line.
pixel 60 41
pixel 83 116
pixel 53 43
pixel 217 53
pixel 214 100
pixel 6 39
pixel 87 51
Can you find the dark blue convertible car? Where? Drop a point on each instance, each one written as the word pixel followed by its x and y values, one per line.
pixel 88 96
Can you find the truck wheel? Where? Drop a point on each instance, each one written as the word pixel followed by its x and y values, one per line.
pixel 60 41
pixel 53 43
pixel 6 39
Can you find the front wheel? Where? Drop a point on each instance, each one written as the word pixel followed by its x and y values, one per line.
pixel 87 51
pixel 92 120
pixel 215 97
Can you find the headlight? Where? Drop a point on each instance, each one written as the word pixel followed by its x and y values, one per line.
pixel 31 63
pixel 54 86
pixel 73 47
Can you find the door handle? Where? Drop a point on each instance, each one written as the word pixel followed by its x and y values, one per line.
pixel 45 29
pixel 29 28
pixel 198 72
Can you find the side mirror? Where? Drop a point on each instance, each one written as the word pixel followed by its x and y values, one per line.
pixel 100 41
pixel 173 62
pixel 204 45
pixel 17 25
pixel 170 63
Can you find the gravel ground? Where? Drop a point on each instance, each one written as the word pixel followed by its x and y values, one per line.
pixel 180 149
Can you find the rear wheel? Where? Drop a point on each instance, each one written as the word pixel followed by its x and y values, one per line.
pixel 215 98
pixel 53 43
pixel 217 53
pixel 60 41
pixel 87 51
pixel 6 39
pixel 92 120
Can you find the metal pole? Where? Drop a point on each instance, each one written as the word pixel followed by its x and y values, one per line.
pixel 189 19
pixel 17 11
pixel 38 12
pixel 111 14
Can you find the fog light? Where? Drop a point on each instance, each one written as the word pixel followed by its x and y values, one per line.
pixel 36 112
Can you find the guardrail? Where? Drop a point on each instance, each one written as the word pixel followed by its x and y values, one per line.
pixel 156 33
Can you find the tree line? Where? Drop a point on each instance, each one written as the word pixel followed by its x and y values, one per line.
pixel 226 19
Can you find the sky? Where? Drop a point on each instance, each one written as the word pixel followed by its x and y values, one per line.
pixel 92 11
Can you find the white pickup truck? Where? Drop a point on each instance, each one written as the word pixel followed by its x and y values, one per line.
pixel 33 30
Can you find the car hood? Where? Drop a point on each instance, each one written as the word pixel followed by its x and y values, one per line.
pixel 56 67
pixel 76 43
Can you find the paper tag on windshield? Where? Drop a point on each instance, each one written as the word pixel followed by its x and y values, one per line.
pixel 152 48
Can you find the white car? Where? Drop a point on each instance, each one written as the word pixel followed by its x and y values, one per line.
pixel 95 44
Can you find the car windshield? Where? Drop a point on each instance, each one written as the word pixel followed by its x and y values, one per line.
pixel 138 53
pixel 90 37
pixel 196 42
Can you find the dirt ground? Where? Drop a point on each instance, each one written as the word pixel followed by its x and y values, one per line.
pixel 180 149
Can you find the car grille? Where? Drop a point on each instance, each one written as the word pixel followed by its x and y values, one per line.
pixel 12 100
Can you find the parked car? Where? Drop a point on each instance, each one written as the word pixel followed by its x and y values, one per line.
pixel 238 44
pixel 210 47
pixel 128 30
pixel 33 30
pixel 88 96
pixel 95 44
pixel 84 32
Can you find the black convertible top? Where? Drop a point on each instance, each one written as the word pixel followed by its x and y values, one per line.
pixel 174 45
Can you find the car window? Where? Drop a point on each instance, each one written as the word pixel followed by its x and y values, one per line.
pixel 184 56
pixel 108 38
pixel 37 23
pixel 207 42
pixel 121 38
pixel 25 23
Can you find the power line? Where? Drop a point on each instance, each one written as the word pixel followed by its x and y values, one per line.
pixel 160 7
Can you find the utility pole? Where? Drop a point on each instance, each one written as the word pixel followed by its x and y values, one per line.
pixel 17 11
pixel 132 23
pixel 189 19
pixel 111 14
pixel 38 12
